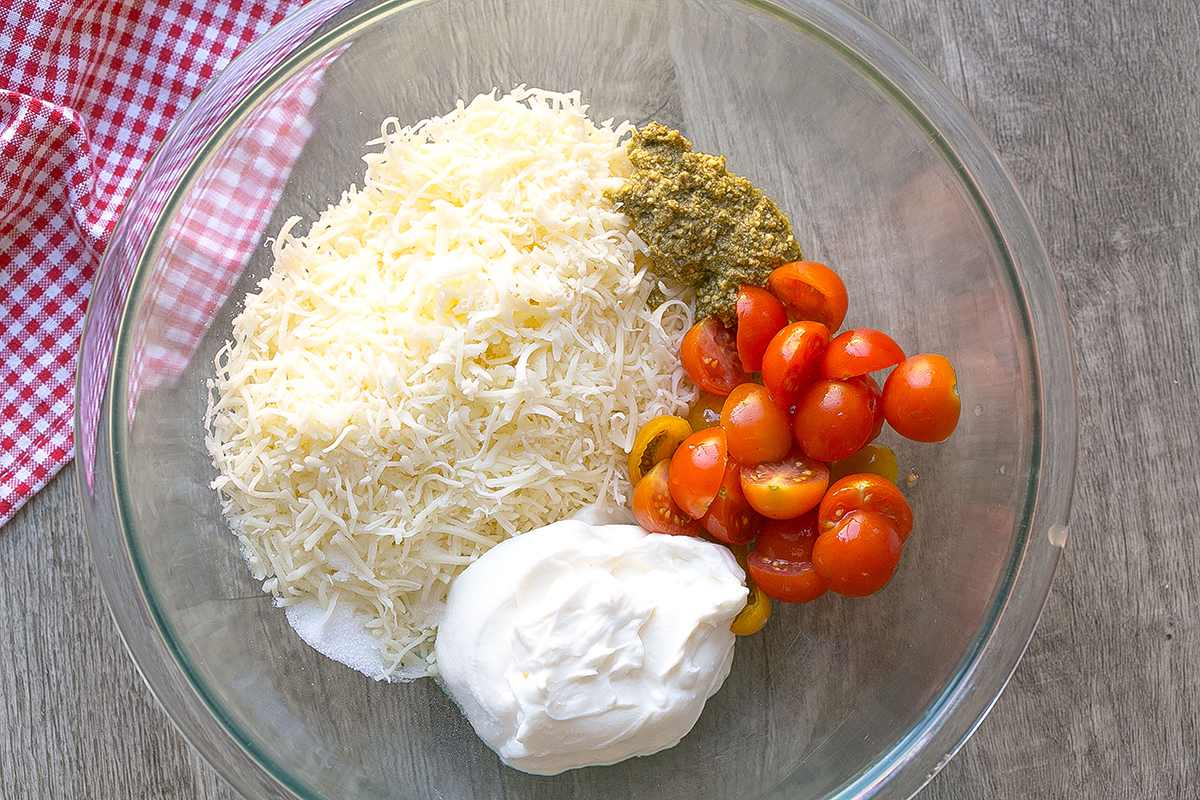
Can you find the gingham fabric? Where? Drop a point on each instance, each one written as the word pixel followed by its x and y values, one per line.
pixel 87 92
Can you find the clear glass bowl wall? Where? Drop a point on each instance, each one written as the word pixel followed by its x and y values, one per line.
pixel 884 177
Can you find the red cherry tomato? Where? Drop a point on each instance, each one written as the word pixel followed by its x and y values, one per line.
pixel 654 509
pixel 730 517
pixel 787 488
pixel 697 468
pixel 833 419
pixel 756 429
pixel 759 317
pixel 812 291
pixel 709 357
pixel 781 561
pixel 859 351
pixel 792 360
pixel 920 398
pixel 859 556
pixel 865 492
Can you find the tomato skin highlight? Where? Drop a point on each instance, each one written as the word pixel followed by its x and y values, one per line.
pixel 810 290
pixel 787 488
pixel 859 351
pixel 697 469
pixel 655 510
pixel 833 419
pixel 709 357
pixel 859 556
pixel 730 517
pixel 781 561
pixel 792 360
pixel 865 492
pixel 920 398
pixel 756 429
pixel 655 442
pixel 759 317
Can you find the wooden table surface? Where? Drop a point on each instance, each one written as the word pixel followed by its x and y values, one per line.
pixel 1094 105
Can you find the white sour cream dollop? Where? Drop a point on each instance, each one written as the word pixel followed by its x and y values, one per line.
pixel 576 645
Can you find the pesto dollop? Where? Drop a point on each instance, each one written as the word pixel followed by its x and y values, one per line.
pixel 705 227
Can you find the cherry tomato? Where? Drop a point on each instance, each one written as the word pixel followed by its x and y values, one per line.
pixel 833 419
pixel 730 517
pixel 697 469
pixel 655 442
pixel 812 291
pixel 654 509
pixel 756 429
pixel 920 398
pixel 706 411
pixel 859 556
pixel 859 351
pixel 865 492
pixel 754 616
pixel 781 562
pixel 787 488
pixel 792 360
pixel 709 357
pixel 878 459
pixel 759 317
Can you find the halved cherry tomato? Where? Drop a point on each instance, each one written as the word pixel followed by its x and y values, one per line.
pixel 793 360
pixel 756 429
pixel 655 442
pixel 878 459
pixel 787 488
pixel 706 411
pixel 730 517
pixel 810 290
pixel 697 469
pixel 859 556
pixel 833 419
pixel 859 351
pixel 759 317
pixel 865 492
pixel 654 509
pixel 754 616
pixel 709 357
pixel 920 398
pixel 781 562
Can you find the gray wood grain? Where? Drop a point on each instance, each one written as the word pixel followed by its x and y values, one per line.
pixel 1094 107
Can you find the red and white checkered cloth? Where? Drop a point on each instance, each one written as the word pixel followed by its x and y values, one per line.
pixel 87 92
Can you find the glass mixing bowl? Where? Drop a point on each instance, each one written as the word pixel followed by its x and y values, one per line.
pixel 884 176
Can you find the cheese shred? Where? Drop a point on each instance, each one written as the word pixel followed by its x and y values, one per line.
pixel 458 352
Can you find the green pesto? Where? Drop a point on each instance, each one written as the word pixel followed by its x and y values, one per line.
pixel 704 226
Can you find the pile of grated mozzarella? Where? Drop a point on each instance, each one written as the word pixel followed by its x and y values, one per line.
pixel 458 352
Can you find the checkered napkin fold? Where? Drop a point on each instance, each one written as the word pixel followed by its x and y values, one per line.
pixel 87 92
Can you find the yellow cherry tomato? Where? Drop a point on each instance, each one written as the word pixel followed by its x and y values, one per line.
pixel 877 459
pixel 706 411
pixel 754 616
pixel 655 442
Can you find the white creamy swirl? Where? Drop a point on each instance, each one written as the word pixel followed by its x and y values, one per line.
pixel 575 645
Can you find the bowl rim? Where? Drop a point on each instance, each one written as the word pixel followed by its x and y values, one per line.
pixel 910 762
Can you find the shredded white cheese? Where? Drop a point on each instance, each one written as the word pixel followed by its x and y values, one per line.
pixel 456 353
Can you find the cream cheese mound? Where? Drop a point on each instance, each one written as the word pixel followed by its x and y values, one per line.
pixel 576 645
